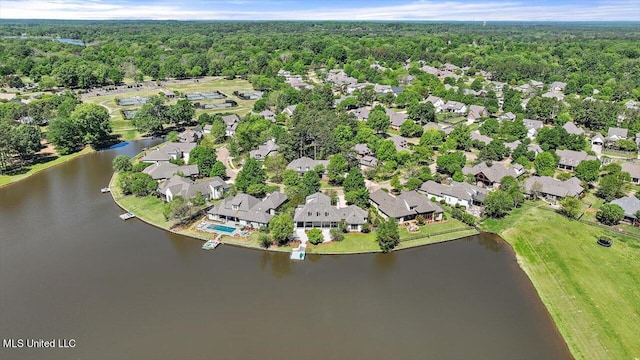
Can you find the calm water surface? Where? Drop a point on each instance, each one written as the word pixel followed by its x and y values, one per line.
pixel 70 268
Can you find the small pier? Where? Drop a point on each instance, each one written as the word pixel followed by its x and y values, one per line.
pixel 212 244
pixel 299 253
pixel 105 190
pixel 127 216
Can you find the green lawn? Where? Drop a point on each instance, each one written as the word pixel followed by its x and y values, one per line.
pixel 352 243
pixel 56 160
pixel 226 86
pixel 592 292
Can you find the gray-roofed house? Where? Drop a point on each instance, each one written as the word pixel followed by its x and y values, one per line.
pixel 399 142
pixel 455 107
pixel 362 150
pixel 176 185
pixel 361 114
pixel 634 171
pixel 537 84
pixel 437 102
pixel 570 159
pixel 264 150
pixel 572 129
pixel 491 176
pixel 164 170
pixel 597 139
pixel 247 210
pixel 512 145
pixel 557 86
pixel 405 207
pixel 630 205
pixel 552 189
pixel 456 193
pixel 533 126
pixel 231 121
pixel 475 135
pixel 432 125
pixel 614 134
pixel 289 110
pixel 268 114
pixel 304 164
pixel 190 136
pixel 396 119
pixel 368 161
pixel 535 148
pixel 476 112
pixel 171 151
pixel 552 94
pixel 317 212
pixel 507 116
pixel 631 105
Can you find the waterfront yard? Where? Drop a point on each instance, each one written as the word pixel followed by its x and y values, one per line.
pixel 592 292
pixel 52 160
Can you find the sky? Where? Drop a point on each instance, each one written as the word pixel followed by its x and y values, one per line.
pixel 459 10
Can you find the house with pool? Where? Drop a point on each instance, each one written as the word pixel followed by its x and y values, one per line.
pixel 246 210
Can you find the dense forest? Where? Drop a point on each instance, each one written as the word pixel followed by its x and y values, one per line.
pixel 605 56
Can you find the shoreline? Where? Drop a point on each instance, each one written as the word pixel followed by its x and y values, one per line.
pixel 12 179
pixel 227 240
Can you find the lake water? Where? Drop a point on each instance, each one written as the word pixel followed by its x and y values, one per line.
pixel 71 269
pixel 62 40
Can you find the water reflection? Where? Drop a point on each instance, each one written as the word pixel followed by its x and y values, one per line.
pixel 277 263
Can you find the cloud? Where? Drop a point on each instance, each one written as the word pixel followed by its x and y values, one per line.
pixel 490 10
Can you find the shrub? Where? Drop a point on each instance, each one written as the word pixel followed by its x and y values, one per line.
pixel 610 214
pixel 315 236
pixel 265 241
pixel 366 228
pixel 337 234
pixel 138 167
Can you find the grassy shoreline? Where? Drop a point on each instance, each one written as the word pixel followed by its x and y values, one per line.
pixel 6 180
pixel 591 292
pixel 149 210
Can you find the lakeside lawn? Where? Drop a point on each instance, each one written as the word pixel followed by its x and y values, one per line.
pixel 592 292
pixel 32 169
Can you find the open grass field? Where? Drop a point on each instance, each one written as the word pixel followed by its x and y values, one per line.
pixel 592 292
pixel 56 160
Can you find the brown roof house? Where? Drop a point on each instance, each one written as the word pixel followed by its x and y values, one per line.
pixel 405 207
pixel 491 176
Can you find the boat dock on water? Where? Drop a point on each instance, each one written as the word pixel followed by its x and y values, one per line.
pixel 299 253
pixel 127 216
pixel 105 190
pixel 212 244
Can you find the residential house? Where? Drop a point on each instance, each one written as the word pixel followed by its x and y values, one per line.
pixel 537 84
pixel 431 70
pixel 455 107
pixel 437 102
pixel 512 145
pixel 289 110
pixel 368 161
pixel 475 135
pixel 533 126
pixel 570 159
pixel 491 176
pixel 264 150
pixel 247 210
pixel 456 193
pixel 176 185
pixel 317 212
pixel 476 112
pixel 633 169
pixel 171 151
pixel 535 148
pixel 614 134
pixel 304 164
pixel 361 114
pixel 191 136
pixel 399 142
pixel 508 116
pixel 552 189
pixel 231 121
pixel 432 125
pixel 405 207
pixel 631 105
pixel 397 119
pixel 268 114
pixel 597 139
pixel 525 89
pixel 630 205
pixel 362 150
pixel 557 86
pixel 572 129
pixel 382 89
pixel 164 170
pixel 556 95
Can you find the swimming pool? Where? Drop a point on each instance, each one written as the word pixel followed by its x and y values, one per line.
pixel 221 228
